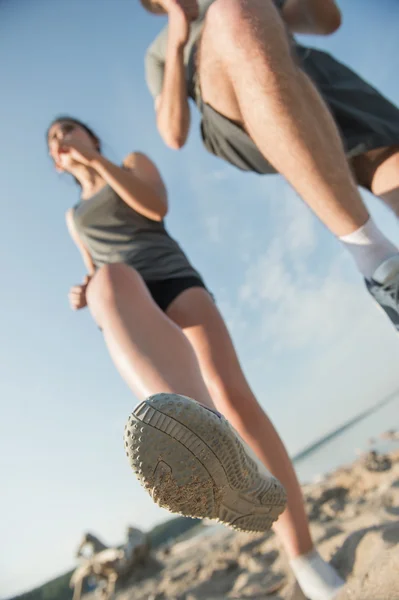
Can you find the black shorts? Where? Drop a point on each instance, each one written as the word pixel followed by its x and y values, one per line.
pixel 365 118
pixel 165 291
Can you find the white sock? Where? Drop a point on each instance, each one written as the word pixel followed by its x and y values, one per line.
pixel 369 247
pixel 316 578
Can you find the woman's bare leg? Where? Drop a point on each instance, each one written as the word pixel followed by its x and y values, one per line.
pixel 195 312
pixel 189 459
pixel 149 351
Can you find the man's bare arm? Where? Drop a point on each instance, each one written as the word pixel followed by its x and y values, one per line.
pixel 172 108
pixel 321 17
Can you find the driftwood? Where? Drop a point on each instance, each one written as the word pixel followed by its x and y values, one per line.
pixel 108 564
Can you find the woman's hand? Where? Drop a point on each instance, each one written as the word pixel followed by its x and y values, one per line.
pixel 77 294
pixel 73 149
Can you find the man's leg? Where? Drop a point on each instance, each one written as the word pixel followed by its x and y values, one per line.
pixel 378 171
pixel 201 322
pixel 257 84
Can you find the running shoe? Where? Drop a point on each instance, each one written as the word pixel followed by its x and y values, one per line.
pixel 384 287
pixel 192 462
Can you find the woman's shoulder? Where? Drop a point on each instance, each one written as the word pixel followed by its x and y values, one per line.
pixel 141 164
pixel 144 168
pixel 135 158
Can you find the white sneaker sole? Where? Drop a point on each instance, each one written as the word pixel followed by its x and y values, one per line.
pixel 193 463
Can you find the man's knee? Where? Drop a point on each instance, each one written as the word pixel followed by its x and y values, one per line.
pixel 221 12
pixel 249 21
pixel 218 34
pixel 231 13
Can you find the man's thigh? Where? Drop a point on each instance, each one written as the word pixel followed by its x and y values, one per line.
pixel 366 120
pixel 221 59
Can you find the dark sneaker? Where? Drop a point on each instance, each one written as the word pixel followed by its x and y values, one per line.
pixel 384 287
pixel 192 462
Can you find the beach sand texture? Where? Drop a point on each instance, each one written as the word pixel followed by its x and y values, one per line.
pixel 354 515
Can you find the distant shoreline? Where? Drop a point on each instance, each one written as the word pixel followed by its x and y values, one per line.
pixel 305 452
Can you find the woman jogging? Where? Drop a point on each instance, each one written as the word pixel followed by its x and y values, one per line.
pixel 169 342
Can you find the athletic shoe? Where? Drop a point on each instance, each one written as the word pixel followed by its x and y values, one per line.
pixel 192 462
pixel 384 287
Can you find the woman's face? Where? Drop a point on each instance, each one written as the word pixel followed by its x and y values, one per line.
pixel 60 133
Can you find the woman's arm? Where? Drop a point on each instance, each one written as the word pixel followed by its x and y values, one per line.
pixel 138 183
pixel 321 17
pixel 87 259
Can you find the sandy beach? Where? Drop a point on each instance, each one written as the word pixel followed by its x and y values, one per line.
pixel 354 514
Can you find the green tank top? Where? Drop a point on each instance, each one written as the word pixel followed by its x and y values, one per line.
pixel 113 232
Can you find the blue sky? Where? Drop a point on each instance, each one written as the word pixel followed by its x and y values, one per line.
pixel 313 345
